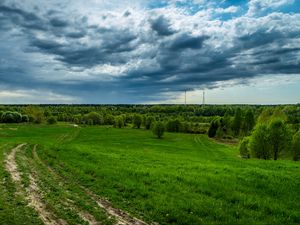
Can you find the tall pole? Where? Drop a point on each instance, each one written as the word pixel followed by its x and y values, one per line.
pixel 185 97
pixel 203 101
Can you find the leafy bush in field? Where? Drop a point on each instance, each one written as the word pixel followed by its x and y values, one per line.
pixel 259 143
pixel 11 117
pixel 158 129
pixel 137 120
pixel 52 120
pixel 296 146
pixel 109 119
pixel 36 114
pixel 93 118
pixel 279 137
pixel 148 121
pixel 214 125
pixel 244 148
pixel 119 122
pixel 173 125
pixel 25 118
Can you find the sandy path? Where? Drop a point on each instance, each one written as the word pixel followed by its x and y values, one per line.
pixel 90 219
pixel 122 217
pixel 11 165
pixel 32 192
pixel 35 198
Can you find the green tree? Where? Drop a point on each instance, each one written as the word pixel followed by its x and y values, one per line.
pixel 11 117
pixel 158 129
pixel 109 119
pixel 25 119
pixel 214 125
pixel 93 118
pixel 36 114
pixel 259 143
pixel 296 146
pixel 137 120
pixel 279 137
pixel 173 125
pixel 119 122
pixel 237 121
pixel 249 122
pixel 149 120
pixel 265 116
pixel 226 121
pixel 244 148
pixel 51 120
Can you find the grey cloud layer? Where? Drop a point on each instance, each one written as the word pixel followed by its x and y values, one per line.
pixel 138 54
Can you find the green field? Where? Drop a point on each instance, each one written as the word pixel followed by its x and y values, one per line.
pixel 180 179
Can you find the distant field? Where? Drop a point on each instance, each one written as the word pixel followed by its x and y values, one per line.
pixel 180 179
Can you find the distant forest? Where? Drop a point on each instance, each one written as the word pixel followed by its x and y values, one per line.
pixel 263 131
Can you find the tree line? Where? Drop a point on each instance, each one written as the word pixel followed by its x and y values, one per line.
pixel 254 125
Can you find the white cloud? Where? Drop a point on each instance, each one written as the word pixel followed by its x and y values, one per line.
pixel 257 6
pixel 231 9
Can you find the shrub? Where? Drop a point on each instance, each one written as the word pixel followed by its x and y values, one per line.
pixel 137 120
pixel 119 122
pixel 93 118
pixel 52 120
pixel 158 129
pixel 259 143
pixel 279 137
pixel 296 146
pixel 214 125
pixel 11 117
pixel 36 114
pixel 109 119
pixel 173 125
pixel 25 119
pixel 244 148
pixel 148 122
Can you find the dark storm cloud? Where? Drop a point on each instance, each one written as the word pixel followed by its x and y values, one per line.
pixel 14 16
pixel 57 22
pixel 115 45
pixel 162 26
pixel 152 56
pixel 187 41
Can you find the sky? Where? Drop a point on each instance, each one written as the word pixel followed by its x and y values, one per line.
pixel 139 52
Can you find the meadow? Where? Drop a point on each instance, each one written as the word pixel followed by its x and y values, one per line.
pixel 180 179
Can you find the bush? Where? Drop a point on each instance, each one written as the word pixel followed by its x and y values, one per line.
pixel 259 143
pixel 36 114
pixel 25 119
pixel 109 119
pixel 244 148
pixel 137 120
pixel 93 118
pixel 296 146
pixel 158 129
pixel 279 137
pixel 214 125
pixel 52 120
pixel 148 121
pixel 11 117
pixel 173 125
pixel 119 122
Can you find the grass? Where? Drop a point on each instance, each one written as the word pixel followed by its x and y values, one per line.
pixel 181 179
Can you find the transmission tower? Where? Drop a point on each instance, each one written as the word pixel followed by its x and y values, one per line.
pixel 203 100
